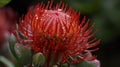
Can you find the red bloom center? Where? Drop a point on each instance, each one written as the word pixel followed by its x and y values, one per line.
pixel 56 32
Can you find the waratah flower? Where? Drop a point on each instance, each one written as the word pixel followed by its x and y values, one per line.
pixel 57 33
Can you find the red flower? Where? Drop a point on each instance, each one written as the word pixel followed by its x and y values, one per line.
pixel 57 32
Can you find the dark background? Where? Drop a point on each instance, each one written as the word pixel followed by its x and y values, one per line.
pixel 105 14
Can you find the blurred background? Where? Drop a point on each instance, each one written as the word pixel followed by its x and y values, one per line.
pixel 106 16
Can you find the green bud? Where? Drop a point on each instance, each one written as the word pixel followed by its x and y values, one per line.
pixel 38 59
pixel 55 65
pixel 64 65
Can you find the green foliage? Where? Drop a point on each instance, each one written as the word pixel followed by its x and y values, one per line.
pixel 6 61
pixel 64 65
pixel 105 14
pixel 12 42
pixel 23 53
pixel 19 52
pixel 4 2
pixel 86 64
pixel 85 6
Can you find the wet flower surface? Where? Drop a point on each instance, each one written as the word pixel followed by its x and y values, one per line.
pixel 57 33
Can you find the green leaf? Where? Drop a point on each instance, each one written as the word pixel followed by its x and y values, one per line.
pixel 12 42
pixel 6 62
pixel 23 53
pixel 87 64
pixel 4 2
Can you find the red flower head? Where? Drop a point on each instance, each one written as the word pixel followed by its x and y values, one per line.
pixel 57 32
